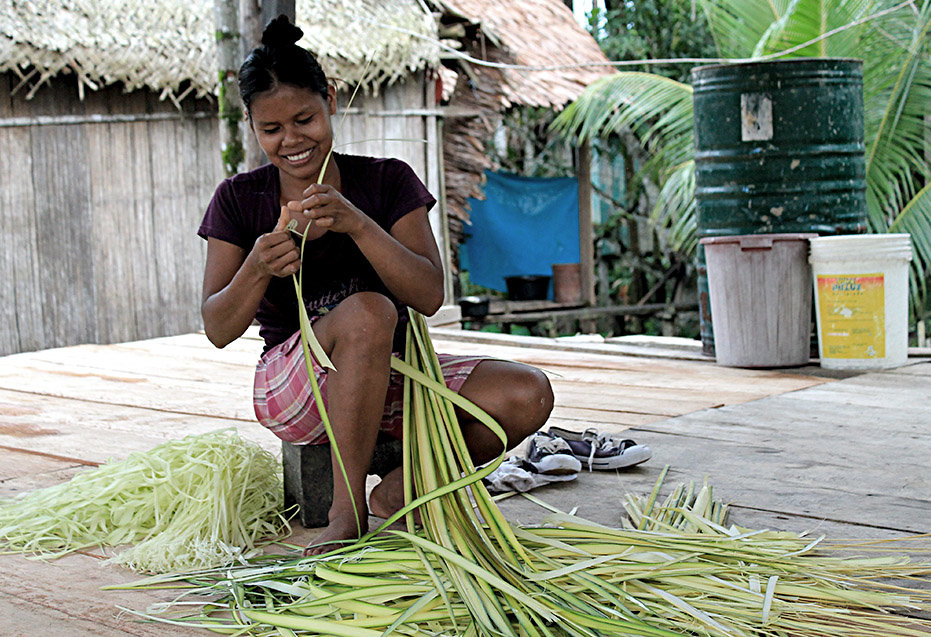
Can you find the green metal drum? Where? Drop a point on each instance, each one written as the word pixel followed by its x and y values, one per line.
pixel 778 149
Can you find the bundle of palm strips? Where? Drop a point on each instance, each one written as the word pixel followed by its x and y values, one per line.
pixel 203 501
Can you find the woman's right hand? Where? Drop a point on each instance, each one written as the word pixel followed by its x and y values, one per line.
pixel 235 282
pixel 275 253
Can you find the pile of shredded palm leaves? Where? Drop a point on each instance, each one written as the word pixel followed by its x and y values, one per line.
pixel 467 571
pixel 200 502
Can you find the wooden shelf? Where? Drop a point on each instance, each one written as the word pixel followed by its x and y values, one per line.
pixel 500 311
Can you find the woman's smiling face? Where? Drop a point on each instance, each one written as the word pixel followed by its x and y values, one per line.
pixel 292 125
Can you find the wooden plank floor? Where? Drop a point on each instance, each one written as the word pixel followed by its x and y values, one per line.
pixel 848 459
pixel 792 450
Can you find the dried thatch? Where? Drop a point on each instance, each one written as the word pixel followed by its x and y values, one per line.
pixel 391 37
pixel 161 45
pixel 169 45
pixel 534 33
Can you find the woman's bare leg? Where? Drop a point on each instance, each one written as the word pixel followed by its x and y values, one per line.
pixel 357 335
pixel 519 397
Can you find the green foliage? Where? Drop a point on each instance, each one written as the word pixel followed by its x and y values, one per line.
pixel 633 263
pixel 753 28
pixel 532 148
pixel 631 275
pixel 655 29
pixel 658 110
pixel 222 35
pixel 233 153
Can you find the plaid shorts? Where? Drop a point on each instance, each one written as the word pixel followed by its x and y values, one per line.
pixel 284 401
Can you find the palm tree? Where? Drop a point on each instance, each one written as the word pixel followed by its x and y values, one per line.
pixel 893 40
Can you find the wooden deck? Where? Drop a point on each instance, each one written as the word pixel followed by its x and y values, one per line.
pixel 840 454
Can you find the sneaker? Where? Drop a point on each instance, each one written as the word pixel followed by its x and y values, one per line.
pixel 602 451
pixel 551 455
pixel 521 475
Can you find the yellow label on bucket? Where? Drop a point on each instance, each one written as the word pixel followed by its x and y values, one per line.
pixel 852 311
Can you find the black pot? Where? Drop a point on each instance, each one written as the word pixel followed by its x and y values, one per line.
pixel 528 287
pixel 473 306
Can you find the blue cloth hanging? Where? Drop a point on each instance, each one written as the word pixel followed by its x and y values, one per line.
pixel 523 227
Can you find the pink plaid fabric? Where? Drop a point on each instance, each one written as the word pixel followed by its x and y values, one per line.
pixel 284 401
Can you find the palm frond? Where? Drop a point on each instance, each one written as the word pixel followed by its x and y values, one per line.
pixel 806 20
pixel 897 91
pixel 738 25
pixel 656 108
pixel 676 210
pixel 894 41
pixel 776 32
pixel 915 219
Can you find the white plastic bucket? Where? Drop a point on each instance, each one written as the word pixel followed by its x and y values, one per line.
pixel 861 299
pixel 760 292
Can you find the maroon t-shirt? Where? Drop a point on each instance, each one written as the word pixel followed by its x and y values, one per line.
pixel 246 206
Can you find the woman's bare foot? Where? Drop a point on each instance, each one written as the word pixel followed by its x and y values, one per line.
pixel 387 498
pixel 341 527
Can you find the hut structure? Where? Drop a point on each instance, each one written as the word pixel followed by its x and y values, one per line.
pixel 109 133
pixel 504 55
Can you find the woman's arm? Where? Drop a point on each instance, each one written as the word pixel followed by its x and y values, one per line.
pixel 235 282
pixel 406 259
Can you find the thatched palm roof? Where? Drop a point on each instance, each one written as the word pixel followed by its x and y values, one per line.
pixel 534 33
pixel 169 45
pixel 373 41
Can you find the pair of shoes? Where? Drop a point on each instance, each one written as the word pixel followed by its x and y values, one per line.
pixel 601 450
pixel 552 455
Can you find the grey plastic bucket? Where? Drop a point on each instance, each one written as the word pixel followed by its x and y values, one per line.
pixel 760 294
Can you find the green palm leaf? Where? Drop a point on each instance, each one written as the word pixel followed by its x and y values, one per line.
pixel 676 208
pixel 738 25
pixel 892 38
pixel 915 219
pixel 803 21
pixel 772 40
pixel 659 111
pixel 897 92
pixel 656 108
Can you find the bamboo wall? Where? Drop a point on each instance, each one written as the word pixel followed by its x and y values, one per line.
pixel 100 201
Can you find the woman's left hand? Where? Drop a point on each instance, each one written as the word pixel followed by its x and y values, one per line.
pixel 326 208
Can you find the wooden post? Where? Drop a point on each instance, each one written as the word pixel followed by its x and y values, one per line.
pixel 435 182
pixel 449 285
pixel 271 9
pixel 252 22
pixel 250 30
pixel 586 235
pixel 586 231
pixel 226 17
pixel 250 25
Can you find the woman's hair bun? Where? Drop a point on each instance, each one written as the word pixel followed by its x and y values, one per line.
pixel 281 32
